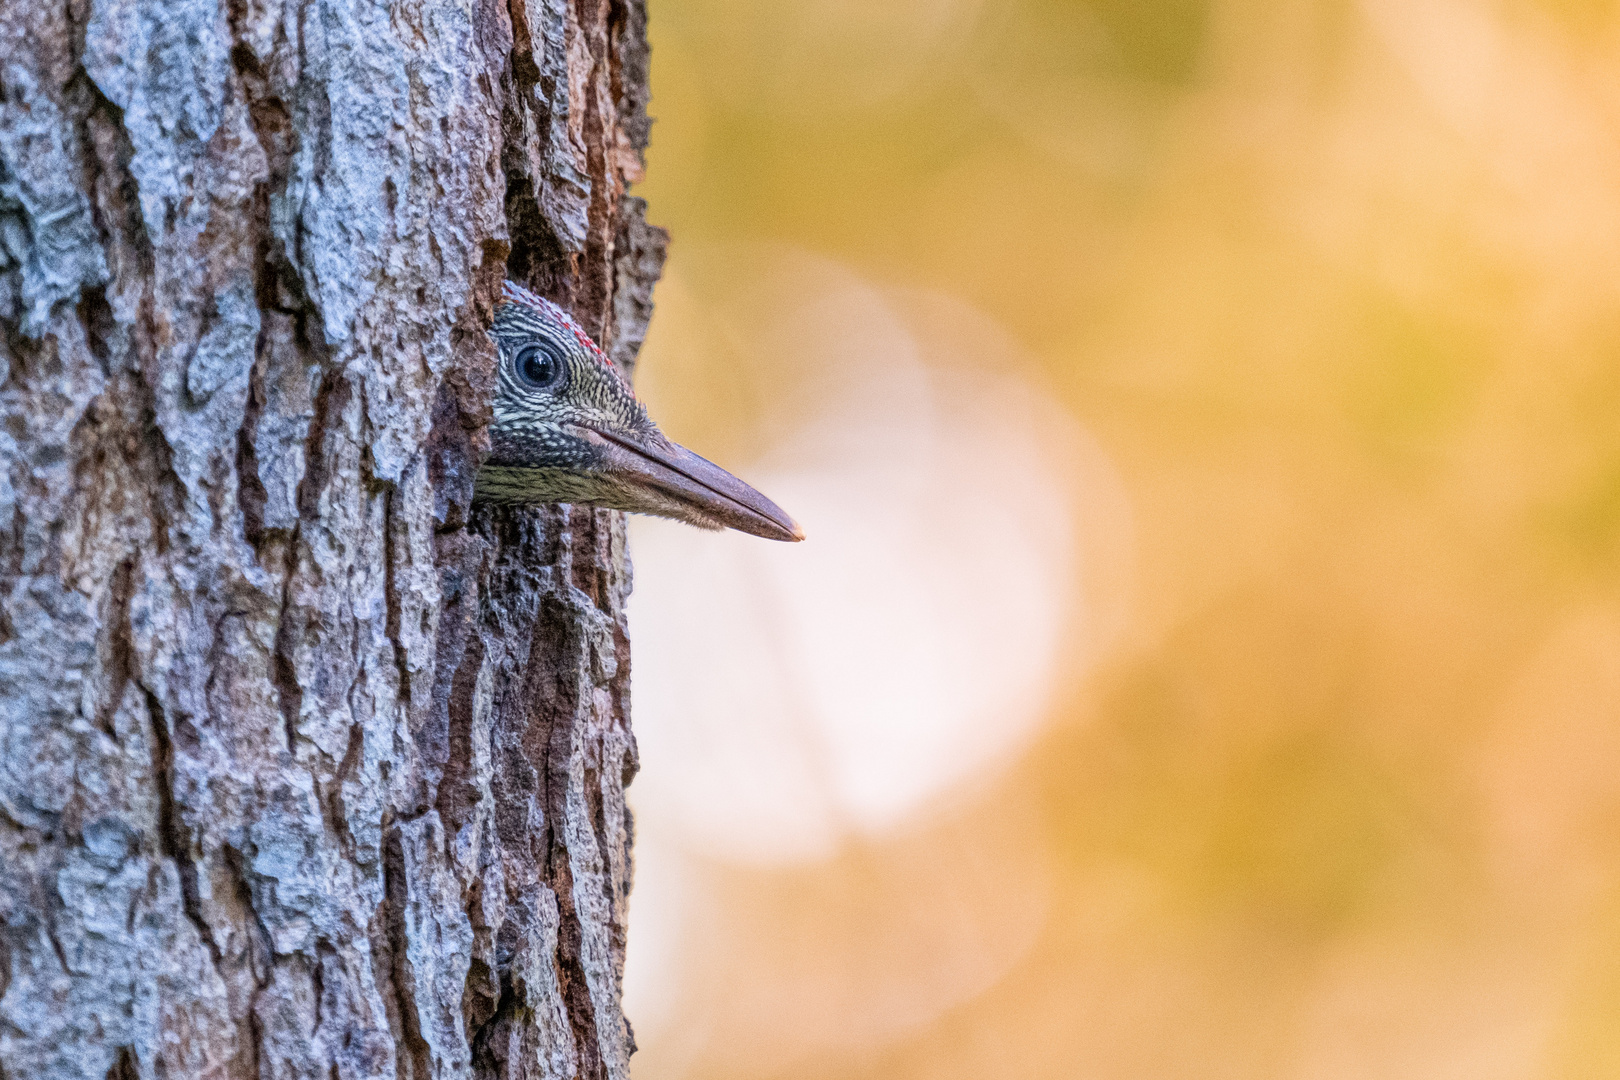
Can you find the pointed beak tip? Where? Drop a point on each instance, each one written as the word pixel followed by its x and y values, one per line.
pixel 718 498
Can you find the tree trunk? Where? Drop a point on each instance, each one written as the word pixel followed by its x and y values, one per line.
pixel 308 768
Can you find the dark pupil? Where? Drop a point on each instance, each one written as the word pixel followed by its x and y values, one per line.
pixel 539 367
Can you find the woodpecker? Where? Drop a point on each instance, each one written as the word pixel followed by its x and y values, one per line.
pixel 568 428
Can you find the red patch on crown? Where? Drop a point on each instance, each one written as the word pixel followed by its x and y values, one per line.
pixel 517 294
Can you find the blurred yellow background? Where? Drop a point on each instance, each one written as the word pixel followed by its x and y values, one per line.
pixel 1205 661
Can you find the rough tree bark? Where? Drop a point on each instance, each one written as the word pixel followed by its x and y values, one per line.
pixel 308 768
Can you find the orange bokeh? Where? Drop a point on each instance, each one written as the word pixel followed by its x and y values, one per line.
pixel 1319 304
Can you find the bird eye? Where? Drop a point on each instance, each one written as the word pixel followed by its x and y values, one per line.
pixel 539 366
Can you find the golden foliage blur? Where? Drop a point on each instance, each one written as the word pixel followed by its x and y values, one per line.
pixel 1337 287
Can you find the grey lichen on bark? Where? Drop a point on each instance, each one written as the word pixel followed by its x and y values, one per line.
pixel 308 767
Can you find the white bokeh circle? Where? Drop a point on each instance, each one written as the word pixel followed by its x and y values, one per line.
pixel 789 695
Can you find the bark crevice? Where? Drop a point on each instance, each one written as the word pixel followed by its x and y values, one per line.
pixel 173 840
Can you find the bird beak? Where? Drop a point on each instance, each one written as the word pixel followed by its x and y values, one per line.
pixel 665 477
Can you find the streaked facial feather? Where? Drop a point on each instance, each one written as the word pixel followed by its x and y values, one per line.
pixel 568 428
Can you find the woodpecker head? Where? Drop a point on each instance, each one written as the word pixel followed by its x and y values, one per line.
pixel 568 428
